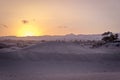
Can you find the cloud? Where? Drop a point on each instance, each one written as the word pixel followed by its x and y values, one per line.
pixel 3 25
pixel 63 27
pixel 25 21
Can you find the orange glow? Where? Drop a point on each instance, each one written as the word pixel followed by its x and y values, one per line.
pixel 29 30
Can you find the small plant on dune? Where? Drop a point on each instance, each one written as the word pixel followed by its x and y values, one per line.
pixel 109 37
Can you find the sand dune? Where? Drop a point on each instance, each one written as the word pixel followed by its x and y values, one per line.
pixel 60 61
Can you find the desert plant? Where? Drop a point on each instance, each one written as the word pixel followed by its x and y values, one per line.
pixel 109 37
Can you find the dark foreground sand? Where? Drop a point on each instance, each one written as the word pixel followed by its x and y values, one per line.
pixel 59 70
pixel 91 76
pixel 67 62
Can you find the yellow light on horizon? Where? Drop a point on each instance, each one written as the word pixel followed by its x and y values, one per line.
pixel 29 34
pixel 28 30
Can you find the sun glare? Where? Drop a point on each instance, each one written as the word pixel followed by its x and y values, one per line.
pixel 29 31
pixel 29 34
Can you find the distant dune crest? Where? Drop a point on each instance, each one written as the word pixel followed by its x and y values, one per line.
pixel 57 37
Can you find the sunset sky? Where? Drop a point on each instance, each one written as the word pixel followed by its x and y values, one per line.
pixel 58 17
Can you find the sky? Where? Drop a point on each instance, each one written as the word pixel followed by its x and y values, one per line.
pixel 58 17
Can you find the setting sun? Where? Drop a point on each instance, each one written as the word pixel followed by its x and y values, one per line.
pixel 29 34
pixel 29 30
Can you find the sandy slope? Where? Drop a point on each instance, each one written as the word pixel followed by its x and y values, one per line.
pixel 60 61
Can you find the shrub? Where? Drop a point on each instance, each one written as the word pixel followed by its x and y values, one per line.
pixel 109 37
